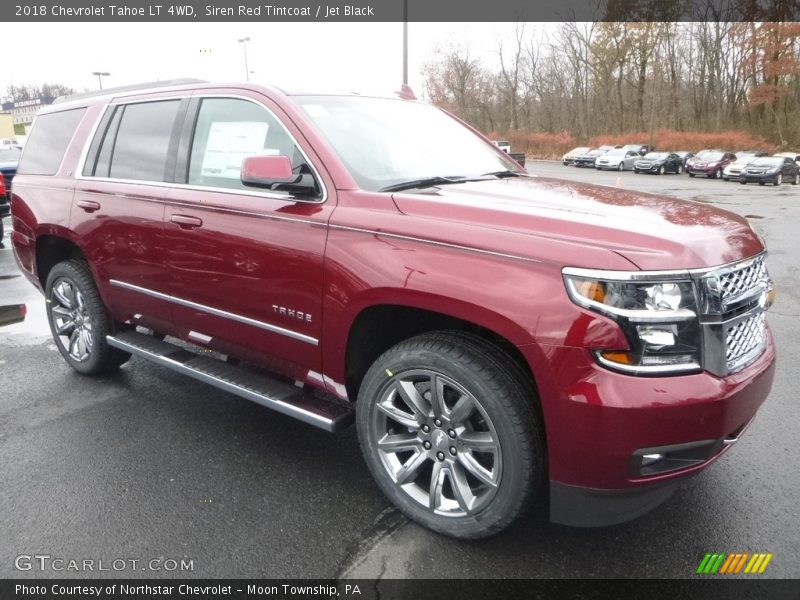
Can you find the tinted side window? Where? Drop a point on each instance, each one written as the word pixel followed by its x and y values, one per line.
pixel 48 142
pixel 142 141
pixel 228 130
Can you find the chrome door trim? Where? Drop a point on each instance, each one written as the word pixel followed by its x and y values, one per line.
pixel 217 312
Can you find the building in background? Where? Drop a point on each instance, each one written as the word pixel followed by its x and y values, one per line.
pixel 6 126
pixel 23 111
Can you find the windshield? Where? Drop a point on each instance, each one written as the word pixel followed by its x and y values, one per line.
pixel 579 150
pixel 654 155
pixel 767 161
pixel 9 155
pixel 710 155
pixel 616 152
pixel 384 142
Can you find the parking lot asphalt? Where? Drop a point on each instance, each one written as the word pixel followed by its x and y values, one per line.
pixel 148 464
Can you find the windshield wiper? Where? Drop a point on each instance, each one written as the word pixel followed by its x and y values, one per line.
pixel 501 174
pixel 425 182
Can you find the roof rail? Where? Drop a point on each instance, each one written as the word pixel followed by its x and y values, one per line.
pixel 129 88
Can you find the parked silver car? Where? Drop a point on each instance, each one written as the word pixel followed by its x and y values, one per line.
pixel 617 159
pixel 733 170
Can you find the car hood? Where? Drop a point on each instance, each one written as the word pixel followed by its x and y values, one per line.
pixel 652 232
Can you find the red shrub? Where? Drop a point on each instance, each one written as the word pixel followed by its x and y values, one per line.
pixel 537 144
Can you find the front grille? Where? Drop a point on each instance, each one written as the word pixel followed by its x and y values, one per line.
pixel 745 340
pixel 733 300
pixel 740 282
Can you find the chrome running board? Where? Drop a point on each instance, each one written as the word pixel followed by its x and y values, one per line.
pixel 275 394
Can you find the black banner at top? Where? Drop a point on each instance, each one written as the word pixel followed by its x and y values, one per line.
pixel 396 10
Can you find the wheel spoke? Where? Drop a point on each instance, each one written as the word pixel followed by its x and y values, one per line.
pixel 73 344
pixel 475 468
pixel 461 489
pixel 410 468
pixel 462 409
pixel 60 311
pixel 409 394
pixel 398 442
pixel 437 396
pixel 435 496
pixel 64 326
pixel 400 416
pixel 87 339
pixel 63 293
pixel 79 299
pixel 480 441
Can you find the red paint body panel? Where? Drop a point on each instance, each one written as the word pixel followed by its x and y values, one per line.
pixel 488 252
pixel 588 408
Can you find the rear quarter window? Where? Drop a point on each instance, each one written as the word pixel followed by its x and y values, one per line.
pixel 48 142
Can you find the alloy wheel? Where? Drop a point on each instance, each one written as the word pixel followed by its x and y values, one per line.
pixel 72 320
pixel 437 443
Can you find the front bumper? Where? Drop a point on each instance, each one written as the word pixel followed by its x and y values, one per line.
pixel 597 421
pixel 702 170
pixel 647 169
pixel 765 178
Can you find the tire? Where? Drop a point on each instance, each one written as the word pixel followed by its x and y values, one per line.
pixel 718 174
pixel 762 183
pixel 76 312
pixel 495 403
pixel 635 170
pixel 778 179
pixel 621 166
pixel 679 170
pixel 743 181
pixel 796 178
pixel 661 170
pixel 691 174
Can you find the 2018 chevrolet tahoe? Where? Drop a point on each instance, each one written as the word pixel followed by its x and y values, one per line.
pixel 493 334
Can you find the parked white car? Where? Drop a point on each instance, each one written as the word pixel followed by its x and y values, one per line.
pixel 617 159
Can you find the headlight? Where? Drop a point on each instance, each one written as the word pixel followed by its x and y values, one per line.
pixel 657 315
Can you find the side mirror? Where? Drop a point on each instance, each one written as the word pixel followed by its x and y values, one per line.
pixel 266 171
pixel 275 173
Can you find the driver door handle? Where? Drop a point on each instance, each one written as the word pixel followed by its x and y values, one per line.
pixel 186 221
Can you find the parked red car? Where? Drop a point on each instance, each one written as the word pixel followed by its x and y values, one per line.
pixel 375 259
pixel 710 163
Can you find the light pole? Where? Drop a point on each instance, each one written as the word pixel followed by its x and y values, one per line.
pixel 100 75
pixel 244 41
pixel 405 42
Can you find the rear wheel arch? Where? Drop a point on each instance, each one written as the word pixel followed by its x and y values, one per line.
pixel 51 250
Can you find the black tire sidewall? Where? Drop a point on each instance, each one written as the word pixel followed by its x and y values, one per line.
pixel 519 456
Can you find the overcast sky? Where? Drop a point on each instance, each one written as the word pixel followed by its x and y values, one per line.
pixel 307 56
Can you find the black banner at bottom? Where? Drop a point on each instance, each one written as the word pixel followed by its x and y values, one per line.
pixel 412 589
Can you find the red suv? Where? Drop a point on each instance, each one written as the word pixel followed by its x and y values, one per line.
pixel 494 335
pixel 710 163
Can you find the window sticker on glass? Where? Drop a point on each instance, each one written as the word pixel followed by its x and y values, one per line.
pixel 229 143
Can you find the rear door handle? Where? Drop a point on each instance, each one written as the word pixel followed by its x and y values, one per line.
pixel 186 221
pixel 89 205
